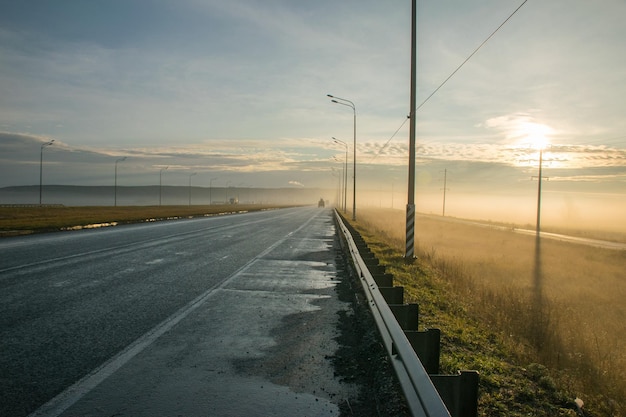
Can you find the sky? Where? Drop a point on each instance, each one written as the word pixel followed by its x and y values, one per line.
pixel 236 92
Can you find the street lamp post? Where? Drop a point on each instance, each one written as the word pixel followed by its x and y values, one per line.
pixel 346 102
pixel 345 180
pixel 339 176
pixel 210 186
pixel 190 175
pixel 115 184
pixel 161 184
pixel 43 145
pixel 342 185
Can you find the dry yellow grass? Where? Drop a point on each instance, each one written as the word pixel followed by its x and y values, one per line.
pixel 566 311
pixel 24 220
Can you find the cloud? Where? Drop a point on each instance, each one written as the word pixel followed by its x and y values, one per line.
pixel 70 164
pixel 18 141
pixel 296 183
pixel 519 127
pixel 618 177
pixel 555 156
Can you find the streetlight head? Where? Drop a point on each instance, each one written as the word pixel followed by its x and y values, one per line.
pixel 330 95
pixel 334 101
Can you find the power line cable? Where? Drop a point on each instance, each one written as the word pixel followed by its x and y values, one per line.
pixel 471 55
pixel 389 140
pixel 450 76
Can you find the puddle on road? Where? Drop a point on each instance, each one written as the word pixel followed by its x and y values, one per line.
pixel 273 400
pixel 287 276
pixel 300 356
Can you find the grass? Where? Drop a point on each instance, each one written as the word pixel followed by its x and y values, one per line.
pixel 26 220
pixel 540 332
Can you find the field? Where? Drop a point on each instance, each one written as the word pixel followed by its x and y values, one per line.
pixel 553 303
pixel 34 219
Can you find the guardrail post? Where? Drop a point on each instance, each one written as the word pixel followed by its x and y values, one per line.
pixel 359 242
pixel 369 257
pixel 459 392
pixel 393 295
pixel 427 345
pixel 383 280
pixel 407 315
pixel 377 269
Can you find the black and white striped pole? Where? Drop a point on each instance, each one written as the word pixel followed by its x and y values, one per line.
pixel 410 207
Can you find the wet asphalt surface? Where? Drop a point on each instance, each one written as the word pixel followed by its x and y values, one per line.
pixel 224 316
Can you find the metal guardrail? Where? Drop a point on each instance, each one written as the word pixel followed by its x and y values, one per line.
pixel 421 395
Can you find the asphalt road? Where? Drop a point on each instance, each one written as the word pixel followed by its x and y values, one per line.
pixel 214 316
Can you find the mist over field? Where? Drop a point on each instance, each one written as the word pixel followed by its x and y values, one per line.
pixel 600 212
pixel 603 212
pixel 153 195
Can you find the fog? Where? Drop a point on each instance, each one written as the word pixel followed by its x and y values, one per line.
pixel 585 211
pixel 155 195
pixel 559 209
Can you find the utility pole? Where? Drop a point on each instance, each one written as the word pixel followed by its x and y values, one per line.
pixel 409 252
pixel 161 184
pixel 540 178
pixel 445 182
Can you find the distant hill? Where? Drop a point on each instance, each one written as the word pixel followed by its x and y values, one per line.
pixel 71 195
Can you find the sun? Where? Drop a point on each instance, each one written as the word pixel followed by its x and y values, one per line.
pixel 534 135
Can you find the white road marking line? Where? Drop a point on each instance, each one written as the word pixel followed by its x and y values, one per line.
pixel 57 405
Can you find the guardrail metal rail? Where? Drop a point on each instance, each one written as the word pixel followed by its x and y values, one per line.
pixel 414 354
